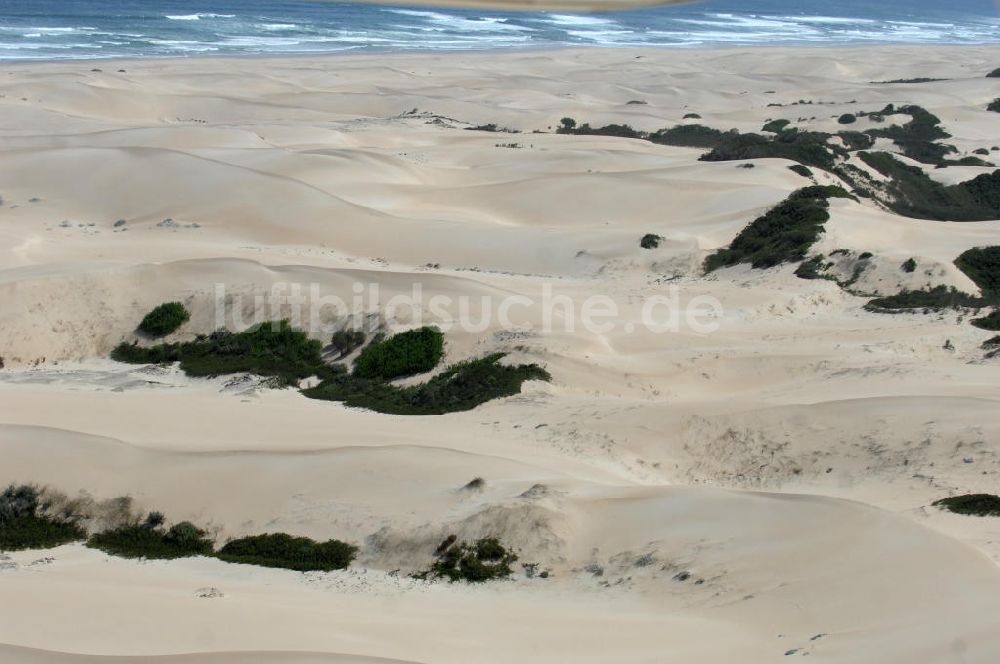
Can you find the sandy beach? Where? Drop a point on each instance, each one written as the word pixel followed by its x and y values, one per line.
pixel 752 492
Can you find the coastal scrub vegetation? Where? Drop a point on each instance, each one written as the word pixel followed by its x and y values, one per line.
pixel 287 355
pixel 990 321
pixel 934 299
pixel 25 523
pixel 296 553
pixel 405 354
pixel 994 74
pixel 784 234
pixel 982 266
pixel 164 319
pixel 974 504
pixel 483 560
pixel 151 541
pixel 994 105
pixel 650 241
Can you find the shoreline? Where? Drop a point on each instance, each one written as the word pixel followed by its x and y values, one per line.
pixel 489 52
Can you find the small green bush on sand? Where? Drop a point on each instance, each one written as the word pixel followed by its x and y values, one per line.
pixel 285 551
pixel 164 319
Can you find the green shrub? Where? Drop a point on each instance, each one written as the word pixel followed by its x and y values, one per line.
pixel 994 74
pixel 164 319
pixel 909 266
pixel 982 265
pixel 142 541
pixel 347 341
pixel 566 125
pixel 799 169
pixel 847 118
pixel 785 233
pixel 776 126
pixel 937 298
pixel 994 105
pixel 692 116
pixel 990 321
pixel 284 551
pixel 405 354
pixel 975 504
pixel 461 387
pixel 484 560
pixel 687 136
pixel 270 349
pixel 912 193
pixel 650 241
pixel 920 79
pixel 23 525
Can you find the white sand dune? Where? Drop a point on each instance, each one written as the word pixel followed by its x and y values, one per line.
pixel 759 491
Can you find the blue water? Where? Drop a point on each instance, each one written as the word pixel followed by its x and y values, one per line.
pixel 54 29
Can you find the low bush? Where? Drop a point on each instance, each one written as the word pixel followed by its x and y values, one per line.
pixel 284 551
pixel 148 541
pixel 270 349
pixel 460 387
pixel 799 169
pixel 990 321
pixel 785 233
pixel 164 319
pixel 909 266
pixel 975 504
pixel 994 105
pixel 687 136
pixel 937 298
pixel 692 116
pixel 776 126
pixel 912 193
pixel 982 265
pixel 920 79
pixel 484 560
pixel 650 241
pixel 405 354
pixel 347 341
pixel 847 118
pixel 994 74
pixel 24 525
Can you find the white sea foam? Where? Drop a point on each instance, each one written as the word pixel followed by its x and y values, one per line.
pixel 196 17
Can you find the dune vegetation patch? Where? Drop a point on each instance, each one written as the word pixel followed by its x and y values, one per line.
pixel 275 350
pixel 164 319
pixel 934 299
pixel 287 355
pixel 973 504
pixel 784 234
pixel 25 521
pixel 982 265
pixel 912 193
pixel 990 321
pixel 284 551
pixel 404 354
pixel 483 560
pixel 150 540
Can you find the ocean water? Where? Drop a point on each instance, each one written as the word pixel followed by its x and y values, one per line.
pixel 57 29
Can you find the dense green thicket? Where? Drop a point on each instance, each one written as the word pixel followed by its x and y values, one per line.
pixel 920 79
pixel 776 126
pixel 273 349
pixel 975 504
pixel 405 354
pixel 917 138
pixel 483 560
pixel 990 321
pixel 785 233
pixel 460 387
pixel 164 319
pixel 650 241
pixel 287 552
pixel 799 169
pixel 939 297
pixel 806 147
pixel 151 541
pixel 687 136
pixel 994 105
pixel 982 265
pixel 913 194
pixel 24 525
